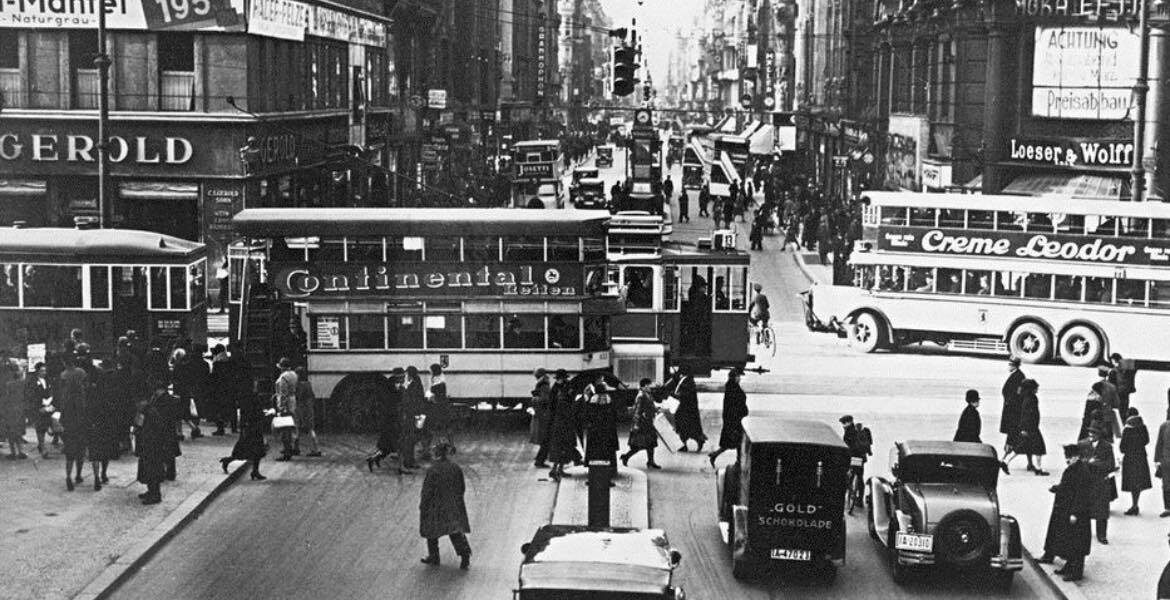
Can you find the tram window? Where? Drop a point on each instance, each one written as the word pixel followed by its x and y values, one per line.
pixel 722 301
pixel 1131 292
pixel 326 249
pixel 594 249
pixel 158 288
pixel 670 288
pixel 1134 227
pixel 1068 287
pixel 404 249
pixel 365 249
pixel 738 288
pixel 523 249
pixel 563 249
pixel 483 331
pixel 52 286
pixel 1160 294
pixel 1009 221
pixel 524 331
pixel 99 286
pixel 1100 225
pixel 9 284
pixel 1161 229
pixel 405 331
pixel 444 249
pixel 1069 224
pixel 178 288
pixel 1006 284
pixel 444 331
pixel 639 286
pixel 367 331
pixel 893 215
pixel 891 279
pixel 980 219
pixel 950 281
pixel 1099 290
pixel 197 283
pixel 921 279
pixel 596 334
pixel 326 332
pixel 951 217
pixel 481 249
pixel 563 332
pixel 922 217
pixel 1038 285
pixel 1039 222
pixel 977 283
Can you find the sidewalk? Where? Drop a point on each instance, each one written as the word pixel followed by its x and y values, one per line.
pixel 75 544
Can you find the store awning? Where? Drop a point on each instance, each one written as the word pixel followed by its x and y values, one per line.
pixel 763 140
pixel 158 190
pixel 22 187
pixel 1076 185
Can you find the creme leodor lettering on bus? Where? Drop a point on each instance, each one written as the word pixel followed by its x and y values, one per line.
pixel 1027 245
pixel 519 280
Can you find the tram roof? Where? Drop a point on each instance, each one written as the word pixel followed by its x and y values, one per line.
pixel 265 222
pixel 59 244
pixel 1005 202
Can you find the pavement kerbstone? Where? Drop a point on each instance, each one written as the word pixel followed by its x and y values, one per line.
pixel 629 499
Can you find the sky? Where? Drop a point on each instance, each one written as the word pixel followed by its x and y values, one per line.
pixel 658 23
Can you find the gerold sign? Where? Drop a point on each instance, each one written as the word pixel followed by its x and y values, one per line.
pixel 430 279
pixel 1012 244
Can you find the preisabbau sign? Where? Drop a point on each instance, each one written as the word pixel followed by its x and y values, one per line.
pixel 1084 72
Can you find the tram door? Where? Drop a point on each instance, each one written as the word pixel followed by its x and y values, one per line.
pixel 696 311
pixel 130 297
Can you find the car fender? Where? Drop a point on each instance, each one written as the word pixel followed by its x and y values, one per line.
pixel 1010 544
pixel 881 495
pixel 739 538
pixel 720 486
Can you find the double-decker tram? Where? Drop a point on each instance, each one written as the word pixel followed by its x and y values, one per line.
pixel 694 165
pixel 103 282
pixel 538 170
pixel 489 294
pixel 1041 278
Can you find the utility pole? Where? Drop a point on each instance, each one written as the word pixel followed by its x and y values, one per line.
pixel 102 62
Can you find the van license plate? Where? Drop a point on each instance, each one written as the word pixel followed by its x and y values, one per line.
pixel 916 542
pixel 786 554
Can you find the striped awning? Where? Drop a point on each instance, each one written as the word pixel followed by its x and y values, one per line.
pixel 1077 185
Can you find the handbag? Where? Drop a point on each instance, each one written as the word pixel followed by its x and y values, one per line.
pixel 283 422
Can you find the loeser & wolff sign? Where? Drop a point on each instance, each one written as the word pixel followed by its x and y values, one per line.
pixel 1009 244
pixel 1072 153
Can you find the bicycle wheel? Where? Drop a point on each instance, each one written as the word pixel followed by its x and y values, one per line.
pixel 770 340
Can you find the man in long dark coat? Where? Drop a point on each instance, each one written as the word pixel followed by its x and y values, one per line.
pixel 155 437
pixel 1009 418
pixel 734 410
pixel 970 424
pixel 687 422
pixel 413 406
pixel 72 391
pixel 441 508
pixel 1069 536
pixel 600 419
pixel 220 400
pixel 1102 463
pixel 541 424
pixel 563 429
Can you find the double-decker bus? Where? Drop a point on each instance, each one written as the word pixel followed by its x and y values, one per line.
pixel 103 282
pixel 538 173
pixel 1039 277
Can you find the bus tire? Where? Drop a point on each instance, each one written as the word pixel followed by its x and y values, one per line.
pixel 867 333
pixel 1081 346
pixel 1031 342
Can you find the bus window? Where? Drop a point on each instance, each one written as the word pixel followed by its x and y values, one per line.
pixel 563 249
pixel 326 249
pixel 670 288
pixel 722 300
pixel 921 279
pixel 483 331
pixel 1039 222
pixel 639 286
pixel 1068 287
pixel 1069 224
pixel 365 249
pixel 950 281
pixel 951 217
pixel 1009 221
pixel 523 249
pixel 9 284
pixel 178 288
pixel 158 289
pixel 977 283
pixel 980 219
pixel 922 217
pixel 405 331
pixel 893 279
pixel 1100 225
pixel 594 249
pixel 367 331
pixel 52 286
pixel 524 331
pixel 326 333
pixel 893 215
pixel 481 249
pixel 444 249
pixel 1098 290
pixel 1131 292
pixel 1038 285
pixel 1161 229
pixel 444 331
pixel 1006 284
pixel 1160 294
pixel 596 334
pixel 1134 227
pixel 863 276
pixel 196 284
pixel 404 249
pixel 563 333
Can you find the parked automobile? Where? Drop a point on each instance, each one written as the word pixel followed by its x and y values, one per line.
pixel 583 173
pixel 574 562
pixel 604 157
pixel 783 504
pixel 590 193
pixel 942 507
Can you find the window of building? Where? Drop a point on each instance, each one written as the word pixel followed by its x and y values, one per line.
pixel 563 332
pixel 444 249
pixel 639 287
pixel 481 249
pixel 922 76
pixel 524 331
pixel 563 249
pixel 596 334
pixel 176 65
pixel 367 331
pixel 9 49
pixel 82 50
pixel 405 331
pixel 9 285
pixel 943 102
pixel 483 331
pixel 51 286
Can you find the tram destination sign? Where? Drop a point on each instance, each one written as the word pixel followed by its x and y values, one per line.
pixel 542 280
pixel 1026 245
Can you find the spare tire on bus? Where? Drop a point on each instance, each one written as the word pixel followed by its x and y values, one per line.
pixel 1030 341
pixel 1081 346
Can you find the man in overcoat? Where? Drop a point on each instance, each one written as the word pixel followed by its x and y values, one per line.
pixel 155 431
pixel 735 408
pixel 541 417
pixel 1162 461
pixel 441 508
pixel 1009 417
pixel 1069 536
pixel 688 424
pixel 970 424
pixel 562 437
pixel 1098 454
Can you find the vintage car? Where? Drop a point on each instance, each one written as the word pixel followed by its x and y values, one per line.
pixel 604 157
pixel 575 562
pixel 942 508
pixel 589 193
pixel 583 173
pixel 783 504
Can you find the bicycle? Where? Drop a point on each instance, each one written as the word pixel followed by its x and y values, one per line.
pixel 855 493
pixel 765 337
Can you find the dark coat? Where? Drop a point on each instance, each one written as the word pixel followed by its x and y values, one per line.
pixel 1031 441
pixel 541 422
pixel 970 426
pixel 156 438
pixel 441 509
pixel 734 410
pixel 390 421
pixel 1009 419
pixel 131 391
pixel 105 418
pixel 1072 498
pixel 1135 466
pixel 191 375
pixel 687 421
pixel 72 393
pixel 1103 489
pixel 12 407
pixel 253 424
pixel 642 433
pixel 562 439
pixel 34 394
pixel 221 393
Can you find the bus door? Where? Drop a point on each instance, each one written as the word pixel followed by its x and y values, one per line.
pixel 130 297
pixel 695 313
pixel 245 262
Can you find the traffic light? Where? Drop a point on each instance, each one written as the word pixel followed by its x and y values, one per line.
pixel 624 64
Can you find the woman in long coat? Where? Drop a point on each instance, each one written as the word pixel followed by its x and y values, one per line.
pixel 71 395
pixel 642 434
pixel 1135 466
pixel 1031 441
pixel 734 410
pixel 562 438
pixel 250 446
pixel 687 422
pixel 155 436
pixel 441 508
pixel 389 414
pixel 12 409
pixel 105 428
pixel 1069 536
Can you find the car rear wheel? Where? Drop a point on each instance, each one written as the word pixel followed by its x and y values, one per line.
pixel 1031 342
pixel 1080 346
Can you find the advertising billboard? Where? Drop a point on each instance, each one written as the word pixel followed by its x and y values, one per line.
pixel 154 15
pixel 1084 72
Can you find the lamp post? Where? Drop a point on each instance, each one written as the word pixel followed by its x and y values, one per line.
pixel 1140 89
pixel 102 62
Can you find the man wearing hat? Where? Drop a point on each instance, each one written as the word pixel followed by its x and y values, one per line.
pixel 541 417
pixel 1162 460
pixel 735 408
pixel 970 425
pixel 1009 417
pixel 1068 534
pixel 1098 455
pixel 562 436
pixel 442 511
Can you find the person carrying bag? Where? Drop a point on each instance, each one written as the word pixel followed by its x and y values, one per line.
pixel 285 400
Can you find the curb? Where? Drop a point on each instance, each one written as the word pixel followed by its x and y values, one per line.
pixel 108 581
pixel 1049 579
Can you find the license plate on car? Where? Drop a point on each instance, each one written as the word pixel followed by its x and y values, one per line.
pixel 787 554
pixel 913 541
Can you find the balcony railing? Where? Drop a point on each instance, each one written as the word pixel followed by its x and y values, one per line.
pixel 85 95
pixel 12 92
pixel 177 90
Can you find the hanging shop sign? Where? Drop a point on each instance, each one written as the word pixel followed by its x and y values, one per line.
pixel 1051 246
pixel 414 279
pixel 935 175
pixel 154 15
pixel 541 59
pixel 1084 154
pixel 1084 72
pixel 293 20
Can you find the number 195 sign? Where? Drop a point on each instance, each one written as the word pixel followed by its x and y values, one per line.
pixel 188 14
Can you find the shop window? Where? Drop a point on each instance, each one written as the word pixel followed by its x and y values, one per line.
pixel 364 249
pixel 563 249
pixel 483 331
pixel 9 285
pixel 670 288
pixel 639 287
pixel 563 333
pixel 99 287
pixel 1131 292
pixel 405 331
pixel 83 47
pixel 481 249
pixel 444 249
pixel 326 250
pixel 980 219
pixel 444 331
pixel 921 279
pixel 1007 284
pixel 891 279
pixel 596 334
pixel 594 249
pixel 197 283
pixel 894 215
pixel 404 249
pixel 1069 224
pixel 1067 288
pixel 951 217
pixel 1098 290
pixel 1134 227
pixel 367 331
pixel 1039 222
pixel 977 283
pixel 524 331
pixel 1160 294
pixel 51 286
pixel 158 288
pixel 523 249
pixel 950 281
pixel 1038 285
pixel 326 333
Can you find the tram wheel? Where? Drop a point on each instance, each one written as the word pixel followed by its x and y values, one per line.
pixel 1031 342
pixel 1081 346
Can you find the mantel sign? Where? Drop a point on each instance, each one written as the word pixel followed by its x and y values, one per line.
pixel 153 15
pixel 542 280
pixel 1072 153
pixel 1084 72
pixel 1027 245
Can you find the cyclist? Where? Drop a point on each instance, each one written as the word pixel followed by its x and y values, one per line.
pixel 860 442
pixel 758 314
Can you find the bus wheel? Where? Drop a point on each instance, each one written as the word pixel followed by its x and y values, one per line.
pixel 867 332
pixel 1080 346
pixel 1030 341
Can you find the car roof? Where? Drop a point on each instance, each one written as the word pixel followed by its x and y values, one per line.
pixel 945 448
pixel 790 431
pixel 591 181
pixel 596 577
pixel 577 557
